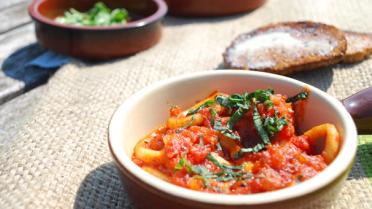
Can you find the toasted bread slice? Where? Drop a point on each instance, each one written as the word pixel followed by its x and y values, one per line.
pixel 284 48
pixel 359 46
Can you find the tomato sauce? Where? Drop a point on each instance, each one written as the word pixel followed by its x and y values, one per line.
pixel 204 158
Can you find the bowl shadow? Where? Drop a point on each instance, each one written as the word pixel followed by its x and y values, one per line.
pixel 321 78
pixel 102 188
pixel 15 66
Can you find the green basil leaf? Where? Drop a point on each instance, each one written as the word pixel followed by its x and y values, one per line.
pixel 230 134
pixel 228 172
pixel 300 96
pixel 218 164
pixel 213 113
pixel 206 104
pixel 180 165
pixel 274 124
pixel 223 100
pixel 257 148
pixel 213 160
pixel 200 170
pixel 259 126
pixel 235 117
pixel 225 131
pixel 179 130
pixel 261 95
pixel 219 147
pixel 269 103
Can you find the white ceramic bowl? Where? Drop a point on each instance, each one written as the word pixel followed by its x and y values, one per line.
pixel 148 109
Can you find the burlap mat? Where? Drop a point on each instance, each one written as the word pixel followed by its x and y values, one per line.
pixel 57 154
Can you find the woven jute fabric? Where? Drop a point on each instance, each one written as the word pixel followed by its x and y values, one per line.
pixel 56 154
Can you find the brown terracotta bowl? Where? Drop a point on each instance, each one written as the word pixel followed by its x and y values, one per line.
pixel 149 108
pixel 211 7
pixel 98 42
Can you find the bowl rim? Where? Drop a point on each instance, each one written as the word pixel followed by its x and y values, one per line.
pixel 161 11
pixel 337 168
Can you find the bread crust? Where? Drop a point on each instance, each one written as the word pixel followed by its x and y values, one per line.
pixel 296 46
pixel 359 46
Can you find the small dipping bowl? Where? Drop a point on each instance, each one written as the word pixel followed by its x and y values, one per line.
pixel 148 109
pixel 98 42
pixel 200 8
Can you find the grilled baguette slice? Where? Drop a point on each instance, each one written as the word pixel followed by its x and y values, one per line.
pixel 285 48
pixel 359 46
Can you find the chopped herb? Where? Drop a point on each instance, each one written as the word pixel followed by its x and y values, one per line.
pixel 237 155
pixel 200 170
pixel 236 98
pixel 274 124
pixel 238 114
pixel 239 101
pixel 225 130
pixel 262 95
pixel 223 100
pixel 269 103
pixel 187 125
pixel 300 96
pixel 259 126
pixel 257 120
pixel 219 147
pixel 258 147
pixel 206 104
pixel 213 114
pixel 234 101
pixel 188 167
pixel 218 164
pixel 230 134
pixel 218 125
pixel 99 15
pixel 228 172
pixel 184 163
pixel 240 104
pixel 180 165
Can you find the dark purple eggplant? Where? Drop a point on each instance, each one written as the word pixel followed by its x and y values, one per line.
pixel 359 106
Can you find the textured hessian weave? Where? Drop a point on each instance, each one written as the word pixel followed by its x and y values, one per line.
pixel 56 155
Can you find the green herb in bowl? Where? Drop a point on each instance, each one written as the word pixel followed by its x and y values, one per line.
pixel 99 15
